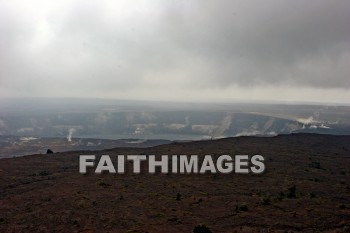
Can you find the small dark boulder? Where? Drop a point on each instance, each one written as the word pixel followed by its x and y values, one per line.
pixel 49 151
pixel 201 229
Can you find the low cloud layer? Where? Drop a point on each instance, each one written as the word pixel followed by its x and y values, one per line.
pixel 74 47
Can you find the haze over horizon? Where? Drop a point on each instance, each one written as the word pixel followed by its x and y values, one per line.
pixel 176 50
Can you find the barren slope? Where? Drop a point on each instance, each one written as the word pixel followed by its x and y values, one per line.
pixel 46 193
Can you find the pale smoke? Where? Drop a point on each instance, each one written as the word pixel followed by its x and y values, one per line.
pixel 187 120
pixel 2 124
pixel 70 133
pixel 307 120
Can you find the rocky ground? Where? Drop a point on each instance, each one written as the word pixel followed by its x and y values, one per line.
pixel 306 188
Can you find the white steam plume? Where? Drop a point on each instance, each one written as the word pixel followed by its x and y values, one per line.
pixel 70 133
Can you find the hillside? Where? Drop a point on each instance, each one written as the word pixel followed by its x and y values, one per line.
pixel 306 188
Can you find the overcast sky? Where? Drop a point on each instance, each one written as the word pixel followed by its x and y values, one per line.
pixel 187 50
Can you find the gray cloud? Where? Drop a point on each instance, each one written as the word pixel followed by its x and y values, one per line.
pixel 106 46
pixel 298 42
